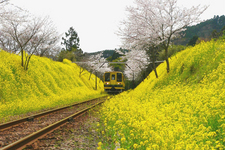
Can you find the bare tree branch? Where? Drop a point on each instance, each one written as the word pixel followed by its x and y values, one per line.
pixel 3 1
pixel 28 35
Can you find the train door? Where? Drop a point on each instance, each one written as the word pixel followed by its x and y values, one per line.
pixel 113 79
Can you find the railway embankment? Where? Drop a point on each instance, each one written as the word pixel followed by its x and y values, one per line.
pixel 182 109
pixel 45 85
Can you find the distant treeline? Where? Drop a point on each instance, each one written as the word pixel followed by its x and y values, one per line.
pixel 202 30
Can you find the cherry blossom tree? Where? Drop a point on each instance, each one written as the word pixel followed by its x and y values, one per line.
pixel 3 1
pixel 3 11
pixel 94 64
pixel 157 22
pixel 137 60
pixel 27 34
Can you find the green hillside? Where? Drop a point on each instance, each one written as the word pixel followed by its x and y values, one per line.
pixel 183 109
pixel 203 30
pixel 44 85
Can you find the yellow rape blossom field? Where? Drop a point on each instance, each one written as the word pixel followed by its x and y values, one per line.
pixel 181 110
pixel 46 84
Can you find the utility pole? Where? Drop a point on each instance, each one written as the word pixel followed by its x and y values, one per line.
pixel 133 80
pixel 96 80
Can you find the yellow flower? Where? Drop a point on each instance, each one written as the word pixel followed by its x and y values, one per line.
pixel 99 144
pixel 177 110
pixel 99 148
pixel 135 146
pixel 123 139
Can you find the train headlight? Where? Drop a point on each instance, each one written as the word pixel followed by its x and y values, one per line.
pixel 118 83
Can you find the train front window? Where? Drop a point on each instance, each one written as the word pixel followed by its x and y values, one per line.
pixel 107 76
pixel 119 77
pixel 113 76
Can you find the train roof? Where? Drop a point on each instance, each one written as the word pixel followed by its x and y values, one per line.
pixel 113 72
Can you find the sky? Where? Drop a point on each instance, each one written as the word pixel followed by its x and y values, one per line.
pixel 97 21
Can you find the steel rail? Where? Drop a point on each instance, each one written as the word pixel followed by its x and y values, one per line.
pixel 16 122
pixel 20 144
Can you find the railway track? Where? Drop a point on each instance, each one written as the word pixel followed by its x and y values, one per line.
pixel 19 133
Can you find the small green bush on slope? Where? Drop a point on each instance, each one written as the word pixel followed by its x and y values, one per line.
pixel 44 85
pixel 180 110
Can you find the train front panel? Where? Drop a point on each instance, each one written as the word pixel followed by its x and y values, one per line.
pixel 114 82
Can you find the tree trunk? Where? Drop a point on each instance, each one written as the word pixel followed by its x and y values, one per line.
pixel 27 62
pixel 153 61
pixel 80 71
pixel 90 75
pixel 167 60
pixel 154 68
pixel 168 65
pixel 96 80
pixel 22 58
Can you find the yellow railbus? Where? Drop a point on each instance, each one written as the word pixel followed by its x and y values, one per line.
pixel 114 81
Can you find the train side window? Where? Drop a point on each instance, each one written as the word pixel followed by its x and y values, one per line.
pixel 107 76
pixel 119 77
pixel 113 76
